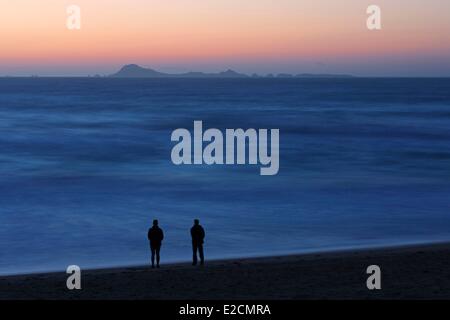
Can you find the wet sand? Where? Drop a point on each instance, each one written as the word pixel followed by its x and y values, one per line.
pixel 410 272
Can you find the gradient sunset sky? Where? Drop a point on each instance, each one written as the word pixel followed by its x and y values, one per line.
pixel 262 36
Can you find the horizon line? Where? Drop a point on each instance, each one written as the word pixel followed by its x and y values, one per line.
pixel 209 74
pixel 219 77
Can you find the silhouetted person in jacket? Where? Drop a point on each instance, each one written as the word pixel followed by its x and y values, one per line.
pixel 155 236
pixel 198 235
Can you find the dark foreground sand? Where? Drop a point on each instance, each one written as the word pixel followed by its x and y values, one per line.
pixel 415 272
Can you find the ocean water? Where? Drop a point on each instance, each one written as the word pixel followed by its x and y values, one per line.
pixel 85 166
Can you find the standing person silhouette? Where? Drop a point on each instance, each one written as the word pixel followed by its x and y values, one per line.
pixel 198 235
pixel 155 236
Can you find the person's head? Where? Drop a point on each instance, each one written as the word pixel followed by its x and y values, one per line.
pixel 196 222
pixel 155 223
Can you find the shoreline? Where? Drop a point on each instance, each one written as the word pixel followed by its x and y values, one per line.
pixel 408 271
pixel 174 262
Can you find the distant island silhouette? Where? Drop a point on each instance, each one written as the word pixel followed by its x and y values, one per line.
pixel 136 71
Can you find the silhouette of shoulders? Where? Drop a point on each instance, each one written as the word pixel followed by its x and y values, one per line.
pixel 197 233
pixel 155 234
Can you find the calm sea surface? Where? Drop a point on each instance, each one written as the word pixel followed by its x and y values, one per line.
pixel 85 166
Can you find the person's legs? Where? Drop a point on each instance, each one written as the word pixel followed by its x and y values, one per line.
pixel 194 254
pixel 152 249
pixel 158 249
pixel 200 251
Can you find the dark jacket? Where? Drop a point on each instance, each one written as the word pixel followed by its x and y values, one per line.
pixel 155 235
pixel 197 234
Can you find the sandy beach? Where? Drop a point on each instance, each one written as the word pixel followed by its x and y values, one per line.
pixel 410 272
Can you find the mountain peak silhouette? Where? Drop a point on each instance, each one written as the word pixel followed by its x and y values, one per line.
pixel 136 71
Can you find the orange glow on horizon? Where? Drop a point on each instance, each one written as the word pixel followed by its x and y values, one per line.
pixel 33 32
